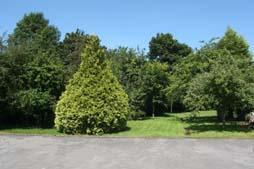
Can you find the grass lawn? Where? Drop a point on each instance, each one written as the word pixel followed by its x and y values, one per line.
pixel 170 125
pixel 32 131
pixel 178 125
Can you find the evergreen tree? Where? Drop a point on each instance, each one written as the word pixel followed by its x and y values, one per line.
pixel 234 43
pixel 94 102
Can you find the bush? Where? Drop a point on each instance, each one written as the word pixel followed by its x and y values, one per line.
pixel 34 107
pixel 136 115
pixel 94 102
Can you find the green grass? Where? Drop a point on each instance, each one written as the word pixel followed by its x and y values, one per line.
pixel 205 125
pixel 29 131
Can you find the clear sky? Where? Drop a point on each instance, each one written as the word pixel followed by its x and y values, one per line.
pixel 133 22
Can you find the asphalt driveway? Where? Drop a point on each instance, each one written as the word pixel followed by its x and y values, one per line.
pixel 74 152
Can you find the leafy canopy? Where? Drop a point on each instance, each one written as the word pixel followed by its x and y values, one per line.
pixel 164 48
pixel 33 66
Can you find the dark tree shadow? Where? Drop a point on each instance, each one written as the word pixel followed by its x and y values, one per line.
pixel 218 128
pixel 166 115
pixel 211 123
pixel 13 126
pixel 119 131
pixel 200 120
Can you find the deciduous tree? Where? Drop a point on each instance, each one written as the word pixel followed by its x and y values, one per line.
pixel 164 48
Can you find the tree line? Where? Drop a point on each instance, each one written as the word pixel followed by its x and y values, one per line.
pixel 36 67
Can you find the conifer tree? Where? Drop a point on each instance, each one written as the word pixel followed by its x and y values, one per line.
pixel 235 44
pixel 94 101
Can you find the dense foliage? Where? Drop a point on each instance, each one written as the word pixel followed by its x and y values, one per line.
pixel 165 48
pixel 94 101
pixel 219 76
pixel 36 67
pixel 155 81
pixel 70 50
pixel 225 88
pixel 144 81
pixel 127 65
pixel 32 71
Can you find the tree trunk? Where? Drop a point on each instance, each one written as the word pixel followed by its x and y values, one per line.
pixel 171 105
pixel 153 112
pixel 222 117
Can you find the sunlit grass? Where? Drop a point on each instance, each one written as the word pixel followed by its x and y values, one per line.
pixel 205 125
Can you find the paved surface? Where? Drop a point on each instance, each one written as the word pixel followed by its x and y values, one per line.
pixel 43 152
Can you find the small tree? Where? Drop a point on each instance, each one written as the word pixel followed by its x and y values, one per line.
pixel 94 102
pixel 155 81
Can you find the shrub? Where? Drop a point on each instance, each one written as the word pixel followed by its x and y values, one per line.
pixel 136 115
pixel 35 106
pixel 94 102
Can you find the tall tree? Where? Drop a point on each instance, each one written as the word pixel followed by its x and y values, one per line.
pixel 155 81
pixel 34 31
pixel 35 69
pixel 185 71
pixel 164 48
pixel 200 62
pixel 127 66
pixel 3 43
pixel 226 88
pixel 71 49
pixel 3 78
pixel 234 43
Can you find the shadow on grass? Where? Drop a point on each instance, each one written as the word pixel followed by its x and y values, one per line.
pixel 120 131
pixel 12 126
pixel 211 123
pixel 4 127
pixel 141 118
pixel 217 128
pixel 201 120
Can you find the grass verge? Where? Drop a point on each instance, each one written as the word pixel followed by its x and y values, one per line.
pixel 205 125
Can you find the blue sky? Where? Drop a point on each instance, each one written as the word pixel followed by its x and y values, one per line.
pixel 133 22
